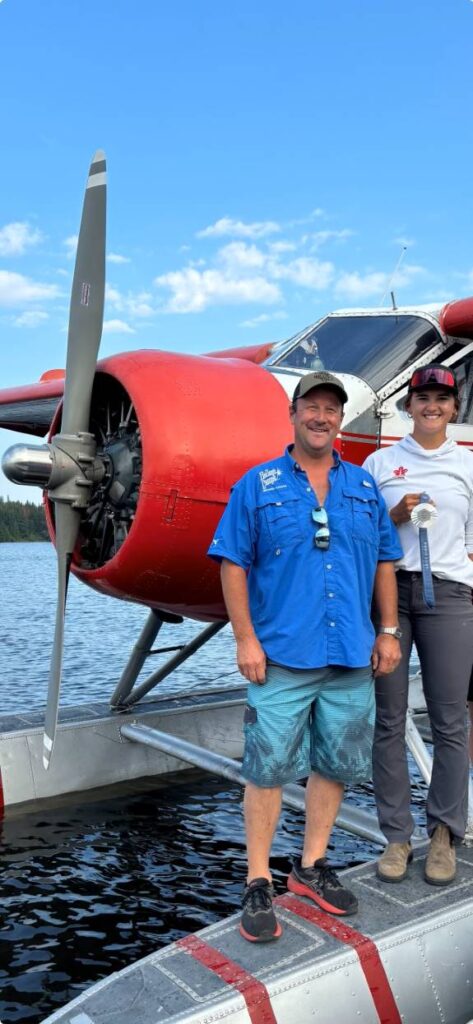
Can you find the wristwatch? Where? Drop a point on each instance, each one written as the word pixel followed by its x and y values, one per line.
pixel 391 631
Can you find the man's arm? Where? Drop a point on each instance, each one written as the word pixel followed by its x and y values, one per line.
pixel 386 653
pixel 251 658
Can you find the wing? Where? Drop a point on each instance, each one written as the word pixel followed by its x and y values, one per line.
pixel 30 409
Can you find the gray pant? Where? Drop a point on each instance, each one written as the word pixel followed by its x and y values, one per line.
pixel 444 640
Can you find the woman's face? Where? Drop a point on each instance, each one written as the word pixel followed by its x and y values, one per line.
pixel 431 410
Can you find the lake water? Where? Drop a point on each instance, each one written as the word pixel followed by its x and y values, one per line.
pixel 87 890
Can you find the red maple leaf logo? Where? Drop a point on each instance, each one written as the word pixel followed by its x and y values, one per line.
pixel 400 471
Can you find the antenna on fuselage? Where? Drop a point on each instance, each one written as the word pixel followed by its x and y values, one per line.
pixel 393 275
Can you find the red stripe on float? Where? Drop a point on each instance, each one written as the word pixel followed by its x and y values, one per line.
pixel 255 994
pixel 370 960
pixel 2 798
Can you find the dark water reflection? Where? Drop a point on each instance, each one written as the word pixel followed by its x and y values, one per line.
pixel 86 890
pixel 89 888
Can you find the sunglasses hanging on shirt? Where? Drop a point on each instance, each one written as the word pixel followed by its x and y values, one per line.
pixel 322 534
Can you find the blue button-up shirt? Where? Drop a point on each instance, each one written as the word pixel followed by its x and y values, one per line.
pixel 309 607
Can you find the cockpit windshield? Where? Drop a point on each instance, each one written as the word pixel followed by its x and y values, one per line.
pixel 373 347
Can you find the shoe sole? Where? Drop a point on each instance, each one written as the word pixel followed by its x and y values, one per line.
pixel 299 889
pixel 261 938
pixel 437 881
pixel 389 878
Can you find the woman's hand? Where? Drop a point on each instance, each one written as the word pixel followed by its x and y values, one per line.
pixel 401 513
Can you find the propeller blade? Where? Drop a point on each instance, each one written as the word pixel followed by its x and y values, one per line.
pixel 67 529
pixel 87 302
pixel 85 331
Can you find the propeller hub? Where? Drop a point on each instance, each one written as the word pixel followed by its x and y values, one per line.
pixel 28 464
pixel 74 468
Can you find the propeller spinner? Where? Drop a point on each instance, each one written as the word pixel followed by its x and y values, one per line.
pixel 68 466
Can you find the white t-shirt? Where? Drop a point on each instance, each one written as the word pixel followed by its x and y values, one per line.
pixel 446 475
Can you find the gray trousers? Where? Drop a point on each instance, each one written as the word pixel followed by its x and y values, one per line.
pixel 444 640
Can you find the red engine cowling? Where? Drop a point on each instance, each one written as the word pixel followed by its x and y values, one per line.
pixel 201 423
pixel 456 318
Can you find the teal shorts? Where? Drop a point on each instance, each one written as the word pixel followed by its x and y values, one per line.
pixel 300 722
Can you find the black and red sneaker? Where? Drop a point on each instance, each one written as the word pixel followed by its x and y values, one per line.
pixel 258 920
pixel 321 884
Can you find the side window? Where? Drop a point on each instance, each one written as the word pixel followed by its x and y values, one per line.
pixel 304 356
pixel 464 374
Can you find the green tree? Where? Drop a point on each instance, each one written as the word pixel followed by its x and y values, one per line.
pixel 22 521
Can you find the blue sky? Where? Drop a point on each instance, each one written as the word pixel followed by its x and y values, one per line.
pixel 268 162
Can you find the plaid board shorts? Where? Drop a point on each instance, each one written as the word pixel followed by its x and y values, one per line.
pixel 299 722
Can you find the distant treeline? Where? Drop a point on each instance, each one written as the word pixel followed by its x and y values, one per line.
pixel 22 521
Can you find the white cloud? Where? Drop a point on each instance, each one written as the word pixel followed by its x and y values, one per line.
pixel 244 273
pixel 306 272
pixel 277 248
pixel 357 286
pixel 15 289
pixel 133 305
pixel 406 274
pixel 16 237
pixel 264 318
pixel 114 257
pixel 238 229
pixel 113 296
pixel 238 257
pixel 70 245
pixel 117 327
pixel 139 305
pixel 318 212
pixel 405 242
pixel 319 238
pixel 32 318
pixel 193 290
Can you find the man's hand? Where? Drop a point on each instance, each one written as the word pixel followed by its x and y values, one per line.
pixel 401 513
pixel 251 660
pixel 386 654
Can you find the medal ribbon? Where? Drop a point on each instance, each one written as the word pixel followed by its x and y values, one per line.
pixel 427 581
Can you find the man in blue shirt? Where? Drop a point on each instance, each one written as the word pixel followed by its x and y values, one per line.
pixel 303 543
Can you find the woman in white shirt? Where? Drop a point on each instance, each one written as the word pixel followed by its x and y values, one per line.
pixel 427 463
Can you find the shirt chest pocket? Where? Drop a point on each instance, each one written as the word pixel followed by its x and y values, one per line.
pixel 280 521
pixel 362 511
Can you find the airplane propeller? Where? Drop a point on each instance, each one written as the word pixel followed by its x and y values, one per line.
pixel 75 467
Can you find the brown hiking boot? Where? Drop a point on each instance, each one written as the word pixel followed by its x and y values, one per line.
pixel 392 865
pixel 441 864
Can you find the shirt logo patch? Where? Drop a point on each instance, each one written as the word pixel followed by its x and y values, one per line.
pixel 269 478
pixel 366 483
pixel 400 471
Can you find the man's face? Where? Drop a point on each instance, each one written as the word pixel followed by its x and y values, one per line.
pixel 317 419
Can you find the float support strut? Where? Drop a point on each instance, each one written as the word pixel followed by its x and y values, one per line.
pixel 127 697
pixel 137 658
pixel 350 818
